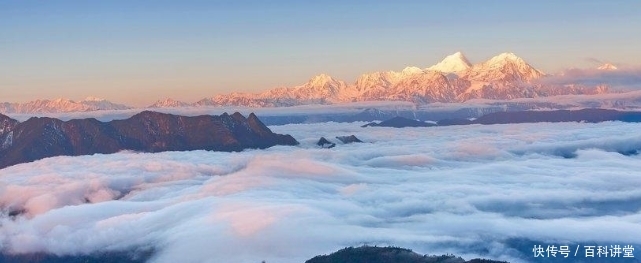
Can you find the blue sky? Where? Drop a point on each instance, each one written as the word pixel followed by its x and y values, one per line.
pixel 136 52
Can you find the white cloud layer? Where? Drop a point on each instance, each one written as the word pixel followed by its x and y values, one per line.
pixel 625 78
pixel 460 189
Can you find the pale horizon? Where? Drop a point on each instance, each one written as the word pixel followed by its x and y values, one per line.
pixel 145 102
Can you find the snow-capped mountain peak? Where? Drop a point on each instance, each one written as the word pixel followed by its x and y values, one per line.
pixel 454 63
pixel 505 67
pixel 411 71
pixel 505 56
pixel 320 80
pixel 607 66
pixel 319 89
pixel 322 83
pixel 168 103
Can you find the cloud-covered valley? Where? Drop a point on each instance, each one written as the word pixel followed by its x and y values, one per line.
pixel 468 190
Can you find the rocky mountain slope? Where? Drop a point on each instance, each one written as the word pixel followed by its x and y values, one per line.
pixel 39 138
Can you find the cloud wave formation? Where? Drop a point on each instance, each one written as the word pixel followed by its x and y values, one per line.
pixel 467 190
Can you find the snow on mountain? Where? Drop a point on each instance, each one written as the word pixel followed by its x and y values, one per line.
pixel 454 63
pixel 429 86
pixel 454 79
pixel 375 83
pixel 245 100
pixel 505 76
pixel 321 89
pixel 372 79
pixel 607 66
pixel 102 104
pixel 409 71
pixel 505 67
pixel 168 103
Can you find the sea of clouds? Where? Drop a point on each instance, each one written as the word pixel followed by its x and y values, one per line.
pixel 469 190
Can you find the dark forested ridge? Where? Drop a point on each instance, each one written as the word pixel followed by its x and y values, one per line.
pixel 107 257
pixel 38 138
pixel 364 254
pixel 368 254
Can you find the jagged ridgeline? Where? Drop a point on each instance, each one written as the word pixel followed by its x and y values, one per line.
pixel 38 138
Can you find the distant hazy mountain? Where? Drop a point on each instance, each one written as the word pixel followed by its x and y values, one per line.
pixel 399 122
pixel 39 138
pixel 61 105
pixel 168 103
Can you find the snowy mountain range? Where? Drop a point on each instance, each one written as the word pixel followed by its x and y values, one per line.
pixel 454 79
pixel 61 105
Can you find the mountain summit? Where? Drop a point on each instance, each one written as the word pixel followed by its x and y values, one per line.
pixel 325 84
pixel 454 63
pixel 505 67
